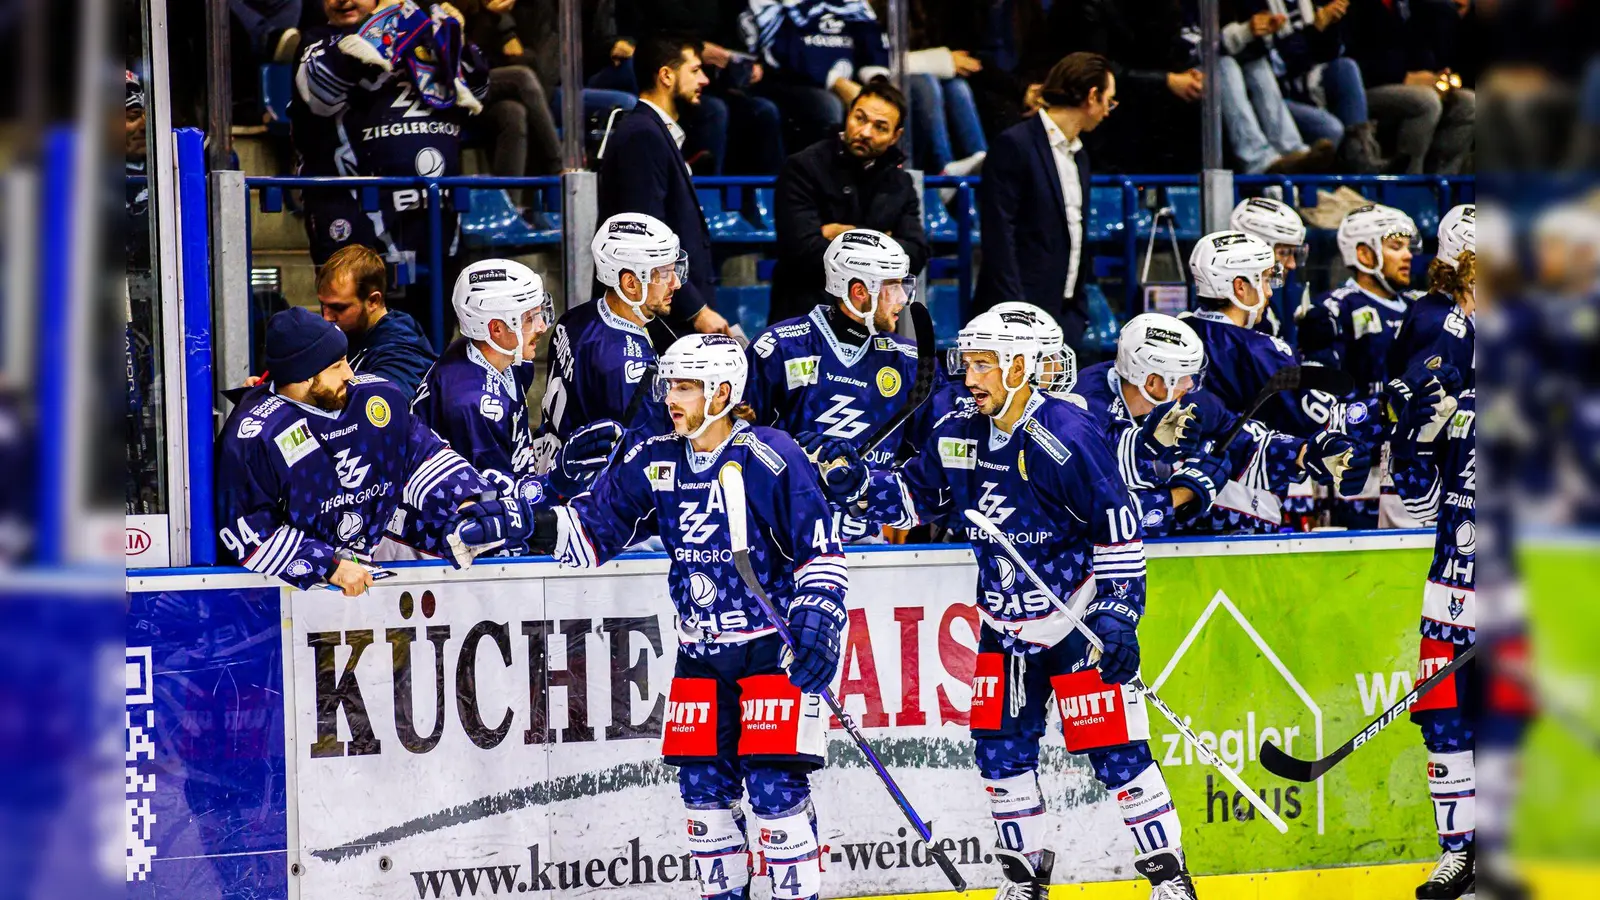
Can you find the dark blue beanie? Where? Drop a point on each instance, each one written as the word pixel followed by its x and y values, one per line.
pixel 300 344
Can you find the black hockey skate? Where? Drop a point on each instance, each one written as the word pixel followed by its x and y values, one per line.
pixel 1023 882
pixel 1496 878
pixel 1169 878
pixel 1451 878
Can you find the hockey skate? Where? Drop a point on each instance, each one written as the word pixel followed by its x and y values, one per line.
pixel 1496 878
pixel 1169 878
pixel 1023 882
pixel 1451 878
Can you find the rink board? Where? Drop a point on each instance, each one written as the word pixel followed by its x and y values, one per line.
pixel 499 727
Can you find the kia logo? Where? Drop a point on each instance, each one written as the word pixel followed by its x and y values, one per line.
pixel 138 541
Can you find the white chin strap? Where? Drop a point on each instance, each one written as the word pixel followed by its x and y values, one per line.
pixel 710 392
pixel 644 297
pixel 1011 392
pixel 870 316
pixel 1378 271
pixel 517 358
pixel 1146 394
pixel 1252 313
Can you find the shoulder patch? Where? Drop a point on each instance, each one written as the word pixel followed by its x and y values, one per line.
pixel 1461 424
pixel 369 378
pixel 766 455
pixel 378 412
pixel 1047 441
pixel 661 475
pixel 958 453
pixel 268 406
pixel 800 371
pixel 892 343
pixel 1281 345
pixel 296 442
pixel 764 344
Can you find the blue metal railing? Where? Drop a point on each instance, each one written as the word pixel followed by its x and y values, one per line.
pixel 732 224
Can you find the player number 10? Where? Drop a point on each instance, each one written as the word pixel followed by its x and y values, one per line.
pixel 1122 524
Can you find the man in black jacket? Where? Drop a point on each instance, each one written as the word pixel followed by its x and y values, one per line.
pixel 643 171
pixel 855 179
pixel 1034 198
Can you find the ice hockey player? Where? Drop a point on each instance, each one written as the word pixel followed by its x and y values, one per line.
pixel 1352 326
pixel 1435 469
pixel 601 354
pixel 1151 404
pixel 766 730
pixel 475 397
pixel 1276 223
pixel 315 460
pixel 1040 469
pixel 1440 312
pixel 384 93
pixel 841 370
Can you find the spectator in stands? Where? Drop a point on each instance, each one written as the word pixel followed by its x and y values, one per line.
pixel 642 170
pixel 537 24
pixel 517 115
pixel 383 341
pixel 855 179
pixel 739 131
pixel 1395 43
pixel 818 54
pixel 1034 197
pixel 946 136
pixel 1256 120
pixel 1157 73
pixel 1321 86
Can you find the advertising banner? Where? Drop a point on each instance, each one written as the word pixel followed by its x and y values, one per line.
pixel 498 737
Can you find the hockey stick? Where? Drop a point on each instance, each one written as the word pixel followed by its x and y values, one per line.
pixel 1291 378
pixel 1283 765
pixel 645 386
pixel 731 477
pixel 927 350
pixel 1206 754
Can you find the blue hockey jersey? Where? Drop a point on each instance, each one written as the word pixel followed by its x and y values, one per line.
pixel 296 483
pixel 1352 330
pixel 663 487
pixel 1434 324
pixel 1053 486
pixel 1438 484
pixel 598 362
pixel 818 41
pixel 1238 363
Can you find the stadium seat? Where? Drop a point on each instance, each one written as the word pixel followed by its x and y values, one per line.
pixel 1105 214
pixel 936 221
pixel 751 305
pixel 765 224
pixel 277 87
pixel 1419 201
pixel 489 219
pixel 723 224
pixel 944 306
pixel 1185 203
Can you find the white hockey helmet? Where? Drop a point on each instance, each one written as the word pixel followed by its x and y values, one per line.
pixel 1161 345
pixel 1221 257
pixel 1370 226
pixel 499 290
pixel 712 360
pixel 872 258
pixel 637 243
pixel 1272 221
pixel 1010 336
pixel 1057 370
pixel 1457 233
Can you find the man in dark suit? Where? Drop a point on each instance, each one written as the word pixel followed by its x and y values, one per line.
pixel 1034 197
pixel 853 179
pixel 642 170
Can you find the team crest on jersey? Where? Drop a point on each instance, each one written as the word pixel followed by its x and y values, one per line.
pixel 958 453
pixel 350 525
pixel 296 442
pixel 300 568
pixel 491 408
pixel 702 590
pixel 249 428
pixel 1467 538
pixel 378 412
pixel 339 229
pixel 661 475
pixel 800 372
pixel 888 381
pixel 1458 604
pixel 634 369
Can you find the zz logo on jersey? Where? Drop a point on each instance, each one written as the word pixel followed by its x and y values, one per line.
pixel 696 526
pixel 351 472
pixel 842 419
pixel 989 504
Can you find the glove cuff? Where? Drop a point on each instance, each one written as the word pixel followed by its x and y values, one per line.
pixel 820 603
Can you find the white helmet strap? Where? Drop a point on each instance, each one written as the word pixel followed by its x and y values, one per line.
pixel 870 314
pixel 709 390
pixel 1252 313
pixel 516 327
pixel 1375 271
pixel 644 293
pixel 1005 382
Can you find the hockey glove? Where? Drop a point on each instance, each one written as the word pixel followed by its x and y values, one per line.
pixel 1420 402
pixel 1204 475
pixel 815 623
pixel 1164 428
pixel 1119 661
pixel 584 456
pixel 487 525
pixel 1339 461
pixel 844 475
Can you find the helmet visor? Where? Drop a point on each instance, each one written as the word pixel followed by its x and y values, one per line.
pixel 898 291
pixel 1296 253
pixel 676 273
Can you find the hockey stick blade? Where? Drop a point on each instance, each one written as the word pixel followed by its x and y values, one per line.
pixel 927 350
pixel 1283 765
pixel 731 478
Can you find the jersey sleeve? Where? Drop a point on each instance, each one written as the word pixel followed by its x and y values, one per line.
pixel 916 490
pixel 805 521
pixel 616 513
pixel 439 480
pixel 767 390
pixel 327 76
pixel 252 526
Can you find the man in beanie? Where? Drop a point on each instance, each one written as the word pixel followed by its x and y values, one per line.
pixel 315 460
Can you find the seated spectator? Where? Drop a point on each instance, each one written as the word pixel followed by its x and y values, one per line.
pixel 642 170
pixel 382 341
pixel 1321 86
pixel 1408 88
pixel 1257 122
pixel 818 54
pixel 523 133
pixel 537 26
pixel 946 135
pixel 738 131
pixel 851 180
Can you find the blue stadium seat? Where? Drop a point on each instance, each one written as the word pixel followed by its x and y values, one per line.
pixel 723 224
pixel 936 221
pixel 1185 203
pixel 766 225
pixel 277 86
pixel 489 219
pixel 944 306
pixel 1105 214
pixel 1419 201
pixel 750 304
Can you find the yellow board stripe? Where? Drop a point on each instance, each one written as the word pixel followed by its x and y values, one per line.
pixel 1376 882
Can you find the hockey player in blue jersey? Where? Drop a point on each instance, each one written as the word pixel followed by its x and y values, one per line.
pixel 1040 469
pixel 842 370
pixel 1276 223
pixel 389 96
pixel 1442 313
pixel 742 713
pixel 314 462
pixel 475 397
pixel 1436 472
pixel 601 353
pixel 1352 326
